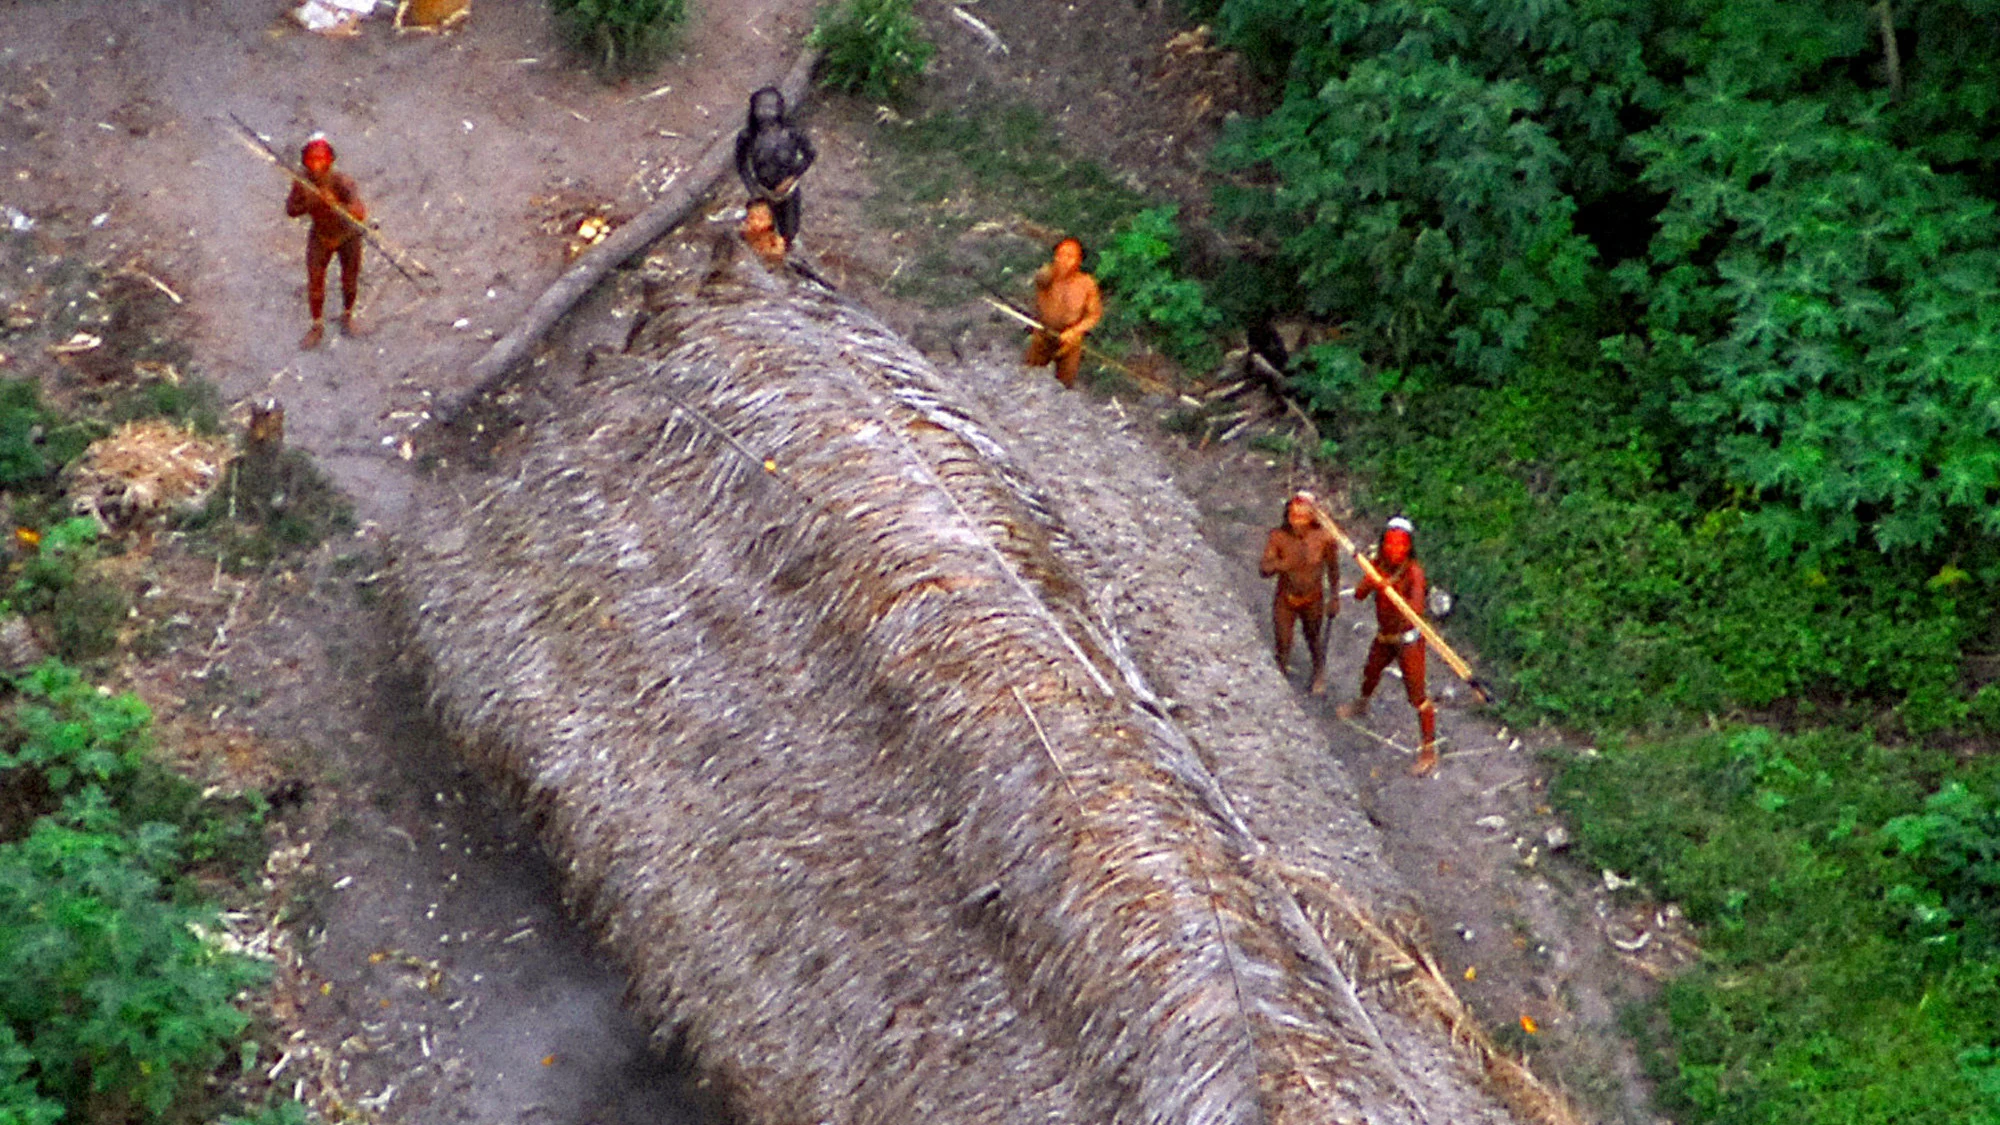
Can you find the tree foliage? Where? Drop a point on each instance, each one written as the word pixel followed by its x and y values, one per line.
pixel 1826 307
pixel 1797 207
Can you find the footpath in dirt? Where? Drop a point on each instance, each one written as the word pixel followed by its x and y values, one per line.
pixel 438 977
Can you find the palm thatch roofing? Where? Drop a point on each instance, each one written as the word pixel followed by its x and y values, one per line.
pixel 846 709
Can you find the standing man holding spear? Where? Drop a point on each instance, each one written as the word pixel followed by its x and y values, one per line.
pixel 1395 579
pixel 339 226
pixel 338 218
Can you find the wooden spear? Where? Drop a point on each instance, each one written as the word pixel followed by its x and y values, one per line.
pixel 1385 590
pixel 256 144
pixel 1146 381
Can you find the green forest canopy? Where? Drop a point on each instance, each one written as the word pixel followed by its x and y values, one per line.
pixel 1773 218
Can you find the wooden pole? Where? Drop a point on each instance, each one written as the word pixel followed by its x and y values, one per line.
pixel 1451 658
pixel 256 145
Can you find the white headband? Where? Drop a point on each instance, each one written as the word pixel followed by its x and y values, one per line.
pixel 1398 523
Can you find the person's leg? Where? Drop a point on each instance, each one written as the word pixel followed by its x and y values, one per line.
pixel 350 283
pixel 317 256
pixel 1379 655
pixel 1313 618
pixel 1412 660
pixel 1067 362
pixel 787 214
pixel 1281 626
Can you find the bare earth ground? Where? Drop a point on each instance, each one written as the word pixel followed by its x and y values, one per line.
pixel 433 955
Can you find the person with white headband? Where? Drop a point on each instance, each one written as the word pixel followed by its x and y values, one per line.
pixel 1397 637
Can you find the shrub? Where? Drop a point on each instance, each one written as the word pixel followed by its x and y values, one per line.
pixel 115 1007
pixel 1825 301
pixel 20 1103
pixel 620 35
pixel 1137 267
pixel 115 993
pixel 63 580
pixel 34 441
pixel 874 48
pixel 1419 202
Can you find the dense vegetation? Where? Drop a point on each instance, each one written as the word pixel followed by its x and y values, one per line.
pixel 1674 326
pixel 121 997
pixel 117 1005
pixel 1850 910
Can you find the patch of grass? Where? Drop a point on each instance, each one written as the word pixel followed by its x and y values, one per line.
pixel 1848 974
pixel 1012 163
pixel 35 441
pixel 303 510
pixel 620 36
pixel 194 403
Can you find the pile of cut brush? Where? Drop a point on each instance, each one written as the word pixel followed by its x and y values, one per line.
pixel 796 669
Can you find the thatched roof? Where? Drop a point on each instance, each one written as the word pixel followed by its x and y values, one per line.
pixel 838 720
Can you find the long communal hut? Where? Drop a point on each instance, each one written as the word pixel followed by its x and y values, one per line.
pixel 904 762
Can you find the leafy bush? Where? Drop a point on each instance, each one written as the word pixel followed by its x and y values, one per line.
pixel 1825 993
pixel 1827 303
pixel 115 1007
pixel 620 35
pixel 115 994
pixel 874 48
pixel 63 580
pixel 1137 269
pixel 20 1103
pixel 1434 218
pixel 1954 844
pixel 34 441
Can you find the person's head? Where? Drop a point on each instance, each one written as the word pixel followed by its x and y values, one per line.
pixel 317 156
pixel 1068 256
pixel 767 107
pixel 1398 540
pixel 757 218
pixel 1299 511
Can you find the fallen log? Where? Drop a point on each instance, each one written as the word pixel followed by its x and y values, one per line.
pixel 618 247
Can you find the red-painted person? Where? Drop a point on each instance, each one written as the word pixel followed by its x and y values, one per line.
pixel 332 235
pixel 1397 637
pixel 1306 562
